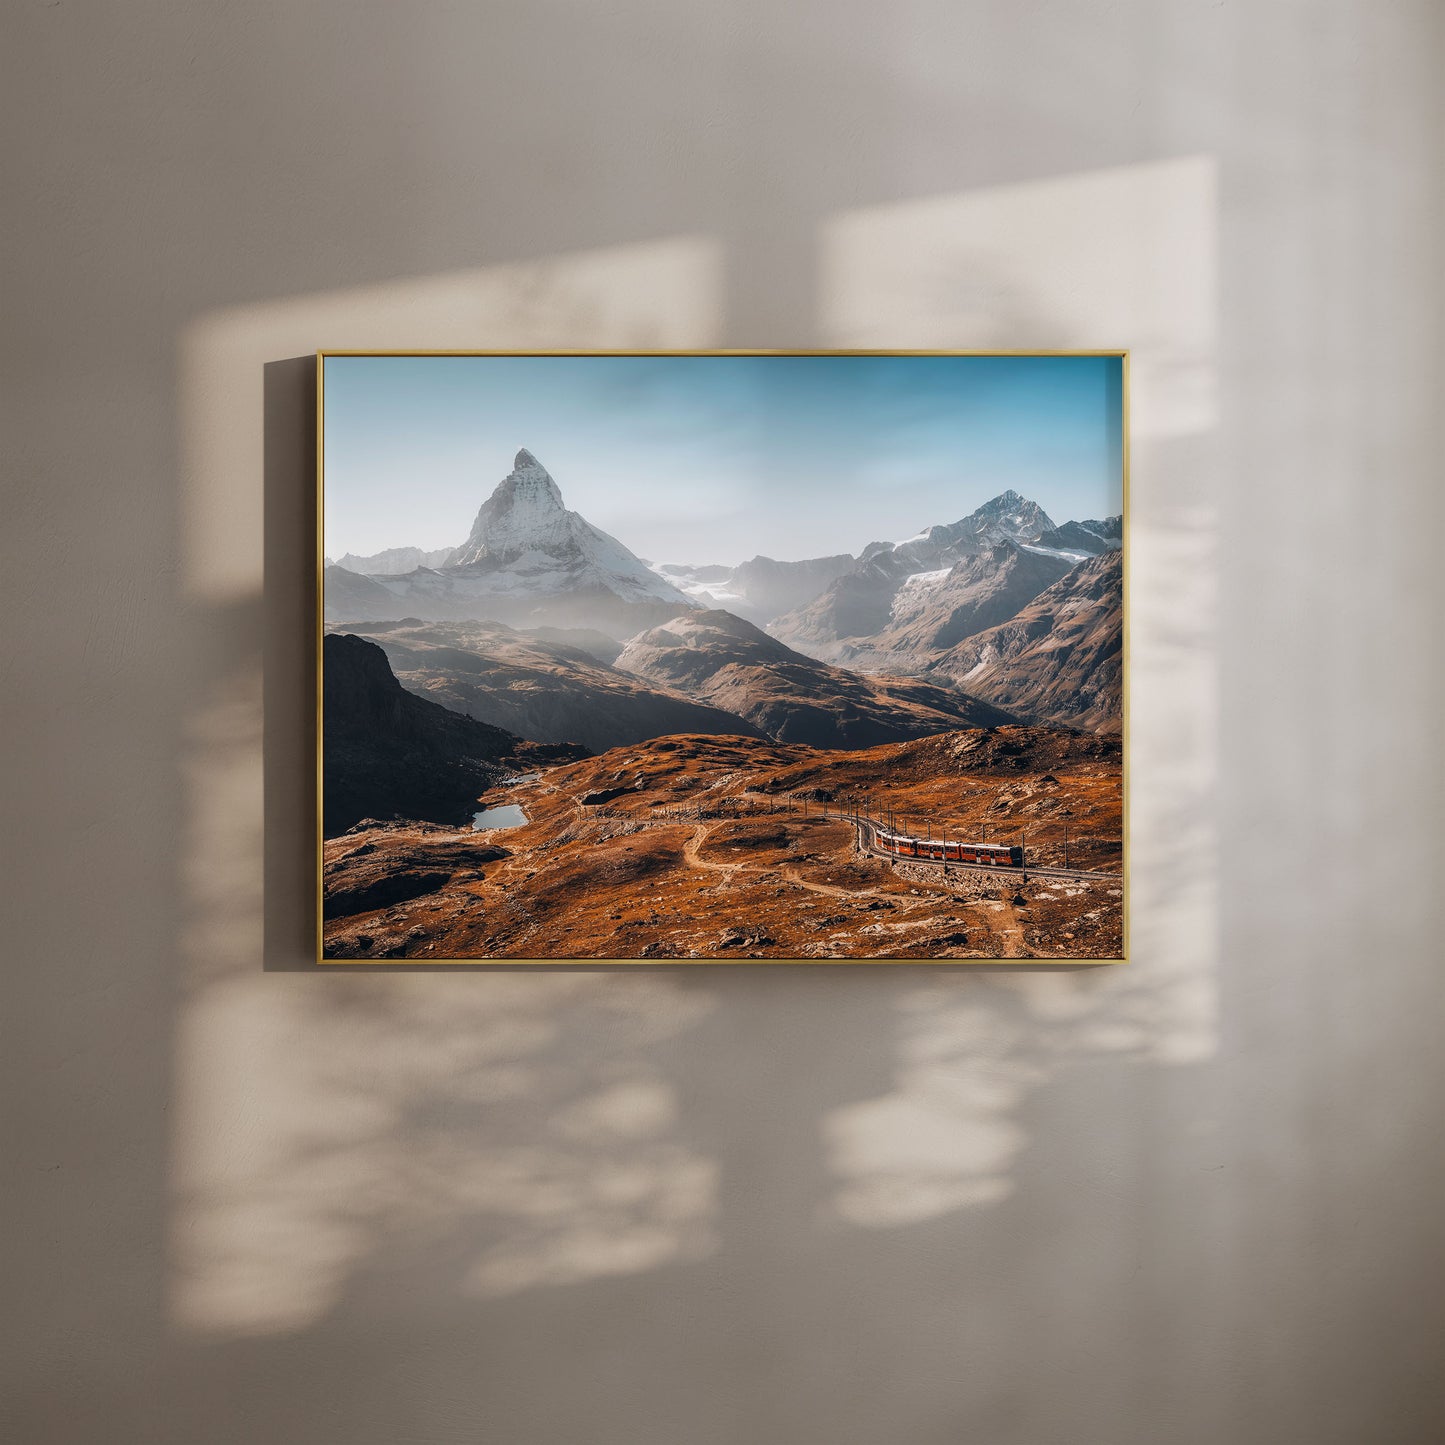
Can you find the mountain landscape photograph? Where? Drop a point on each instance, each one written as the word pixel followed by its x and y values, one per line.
pixel 615 666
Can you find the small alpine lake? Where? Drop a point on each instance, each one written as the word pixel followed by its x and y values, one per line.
pixel 509 815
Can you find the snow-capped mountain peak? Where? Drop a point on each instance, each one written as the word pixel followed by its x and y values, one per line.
pixel 528 556
pixel 1007 516
pixel 524 513
pixel 1013 514
pixel 527 561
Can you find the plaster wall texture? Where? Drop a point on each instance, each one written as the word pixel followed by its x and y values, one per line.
pixel 1196 1200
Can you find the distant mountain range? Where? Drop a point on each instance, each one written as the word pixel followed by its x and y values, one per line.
pixel 395 561
pixel 869 599
pixel 874 620
pixel 543 625
pixel 761 589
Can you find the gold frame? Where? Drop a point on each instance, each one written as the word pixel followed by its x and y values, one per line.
pixel 323 354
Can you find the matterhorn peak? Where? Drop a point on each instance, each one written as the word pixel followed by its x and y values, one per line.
pixel 525 462
pixel 528 475
pixel 528 557
pixel 525 512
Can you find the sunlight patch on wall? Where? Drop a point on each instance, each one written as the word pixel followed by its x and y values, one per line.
pixel 1116 258
pixel 329 1128
pixel 607 1190
pixel 947 1137
pixel 496 1133
pixel 658 294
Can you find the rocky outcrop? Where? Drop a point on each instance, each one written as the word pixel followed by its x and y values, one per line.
pixel 1061 658
pixel 389 754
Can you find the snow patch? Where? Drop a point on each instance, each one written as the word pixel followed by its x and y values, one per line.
pixel 1056 552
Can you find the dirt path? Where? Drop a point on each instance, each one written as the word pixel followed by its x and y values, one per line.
pixel 831 890
pixel 1011 933
pixel 700 836
pixel 789 871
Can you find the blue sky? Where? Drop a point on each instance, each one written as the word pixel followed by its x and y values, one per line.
pixel 716 459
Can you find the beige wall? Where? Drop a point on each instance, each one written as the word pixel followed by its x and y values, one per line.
pixel 1199 1200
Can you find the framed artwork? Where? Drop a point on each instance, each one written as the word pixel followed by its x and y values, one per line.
pixel 722 656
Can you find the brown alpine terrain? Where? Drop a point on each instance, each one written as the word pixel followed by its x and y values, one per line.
pixel 545 691
pixel 715 847
pixel 389 753
pixel 1060 658
pixel 720 659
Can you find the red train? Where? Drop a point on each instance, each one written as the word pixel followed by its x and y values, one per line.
pixel 902 846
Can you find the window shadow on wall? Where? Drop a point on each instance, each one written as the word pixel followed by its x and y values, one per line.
pixel 580 1203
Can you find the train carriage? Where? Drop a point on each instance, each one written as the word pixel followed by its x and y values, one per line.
pixel 901 845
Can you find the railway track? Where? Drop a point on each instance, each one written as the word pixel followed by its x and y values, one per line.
pixel 866 843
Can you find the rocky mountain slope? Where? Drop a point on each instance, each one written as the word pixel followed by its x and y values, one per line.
pixel 390 754
pixel 1079 540
pixel 541 690
pixel 859 603
pixel 1060 658
pixel 724 660
pixel 932 611
pixel 1111 529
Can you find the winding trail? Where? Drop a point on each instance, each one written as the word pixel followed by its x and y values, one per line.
pixel 1000 921
pixel 789 871
pixel 700 836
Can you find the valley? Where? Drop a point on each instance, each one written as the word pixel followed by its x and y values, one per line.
pixel 696 847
